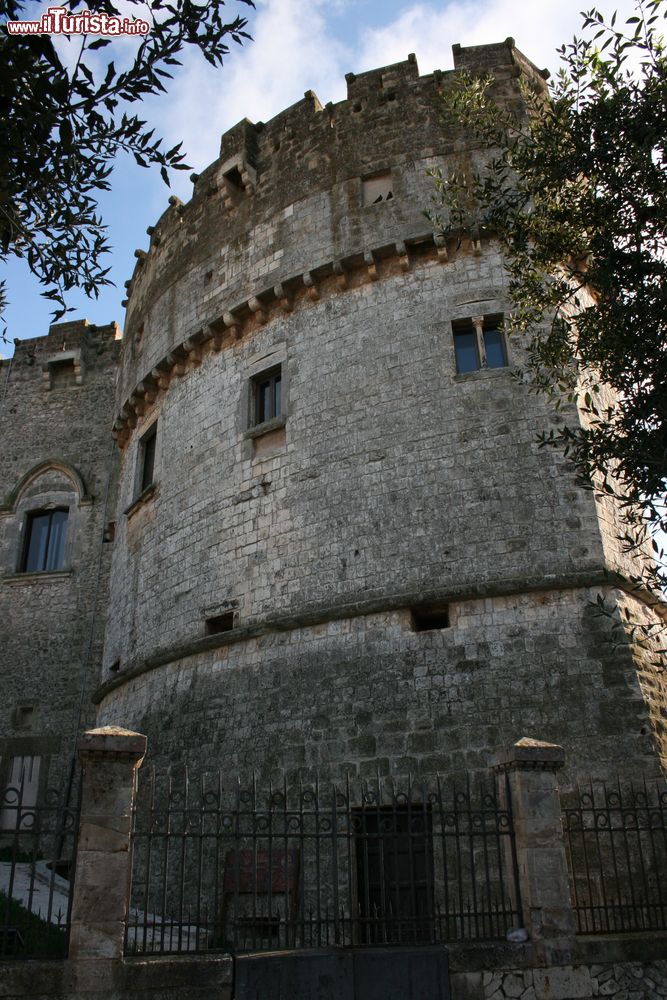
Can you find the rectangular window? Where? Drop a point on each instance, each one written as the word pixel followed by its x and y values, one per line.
pixel 479 343
pixel 394 873
pixel 148 442
pixel 220 623
pixel 267 392
pixel 494 346
pixel 44 549
pixel 376 189
pixel 465 349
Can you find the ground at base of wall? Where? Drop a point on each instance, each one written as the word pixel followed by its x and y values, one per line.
pixel 617 981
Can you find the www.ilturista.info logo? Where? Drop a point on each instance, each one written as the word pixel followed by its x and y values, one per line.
pixel 57 21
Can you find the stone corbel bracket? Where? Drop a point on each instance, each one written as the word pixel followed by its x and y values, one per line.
pixel 230 325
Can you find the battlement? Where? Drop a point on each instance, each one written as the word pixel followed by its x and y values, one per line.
pixel 313 191
pixel 68 335
pixel 253 156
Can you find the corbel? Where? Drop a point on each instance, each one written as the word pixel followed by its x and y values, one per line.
pixel 137 400
pixel 162 378
pixel 217 332
pixel 283 296
pixel 176 364
pixel 193 349
pixel 311 286
pixel 441 247
pixel 371 265
pixel 341 274
pixel 233 324
pixel 121 436
pixel 403 258
pixel 257 308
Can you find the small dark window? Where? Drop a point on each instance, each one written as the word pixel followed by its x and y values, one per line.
pixel 220 623
pixel 24 716
pixel 268 396
pixel 45 541
pixel 233 176
pixel 115 667
pixel 148 458
pixel 62 374
pixel 430 619
pixel 465 349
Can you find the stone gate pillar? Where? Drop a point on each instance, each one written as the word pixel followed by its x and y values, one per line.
pixel 531 766
pixel 110 759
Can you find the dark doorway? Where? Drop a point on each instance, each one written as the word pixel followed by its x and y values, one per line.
pixel 394 874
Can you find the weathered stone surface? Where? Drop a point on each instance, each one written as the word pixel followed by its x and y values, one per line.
pixel 563 984
pixel 56 453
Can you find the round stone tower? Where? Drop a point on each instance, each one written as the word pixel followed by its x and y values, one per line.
pixel 338 545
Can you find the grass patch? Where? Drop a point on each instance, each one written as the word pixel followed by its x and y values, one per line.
pixel 25 935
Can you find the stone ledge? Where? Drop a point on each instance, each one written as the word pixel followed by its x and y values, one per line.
pixel 269 425
pixel 143 498
pixel 46 576
pixel 354 609
pixel 112 741
pixel 528 754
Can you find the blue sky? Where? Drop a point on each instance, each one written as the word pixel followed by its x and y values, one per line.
pixel 298 45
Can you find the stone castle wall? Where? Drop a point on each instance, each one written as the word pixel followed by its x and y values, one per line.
pixel 386 484
pixel 57 396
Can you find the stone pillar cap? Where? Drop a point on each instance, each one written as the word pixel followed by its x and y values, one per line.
pixel 528 753
pixel 112 741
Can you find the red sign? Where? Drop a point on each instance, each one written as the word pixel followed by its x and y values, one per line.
pixel 248 871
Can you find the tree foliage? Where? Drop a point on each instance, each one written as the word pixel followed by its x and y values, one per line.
pixel 574 186
pixel 64 125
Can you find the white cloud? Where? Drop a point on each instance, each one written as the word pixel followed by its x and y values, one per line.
pixel 291 53
pixel 430 30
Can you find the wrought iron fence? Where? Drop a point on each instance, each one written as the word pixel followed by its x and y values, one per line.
pixel 247 870
pixel 617 851
pixel 38 833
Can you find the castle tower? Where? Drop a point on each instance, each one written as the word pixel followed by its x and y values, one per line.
pixel 339 547
pixel 57 496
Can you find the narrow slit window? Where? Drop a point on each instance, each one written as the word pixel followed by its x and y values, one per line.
pixel 148 443
pixel 268 396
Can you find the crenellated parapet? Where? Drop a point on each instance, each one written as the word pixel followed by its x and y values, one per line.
pixel 314 200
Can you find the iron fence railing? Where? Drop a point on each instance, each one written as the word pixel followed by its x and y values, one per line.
pixel 378 863
pixel 38 834
pixel 616 839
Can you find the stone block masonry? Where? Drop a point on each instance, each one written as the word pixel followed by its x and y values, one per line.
pixel 382 482
pixel 56 455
